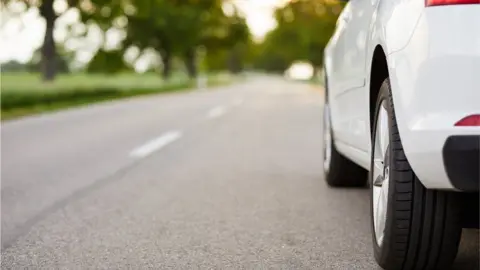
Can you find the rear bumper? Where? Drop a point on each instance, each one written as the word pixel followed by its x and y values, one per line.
pixel 435 83
pixel 461 156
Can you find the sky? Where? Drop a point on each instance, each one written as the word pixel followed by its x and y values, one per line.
pixel 259 14
pixel 20 37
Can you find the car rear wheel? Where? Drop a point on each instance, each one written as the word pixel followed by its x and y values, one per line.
pixel 338 170
pixel 412 227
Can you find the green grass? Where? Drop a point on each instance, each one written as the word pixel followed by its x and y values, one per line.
pixel 25 94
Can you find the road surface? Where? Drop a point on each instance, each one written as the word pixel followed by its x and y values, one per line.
pixel 228 179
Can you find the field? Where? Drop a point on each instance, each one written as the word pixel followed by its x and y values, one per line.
pixel 24 94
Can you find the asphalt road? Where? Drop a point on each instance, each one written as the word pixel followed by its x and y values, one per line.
pixel 226 179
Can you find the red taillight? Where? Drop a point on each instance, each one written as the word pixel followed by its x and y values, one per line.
pixel 469 121
pixel 450 2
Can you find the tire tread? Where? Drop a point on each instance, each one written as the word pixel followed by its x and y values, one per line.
pixel 426 228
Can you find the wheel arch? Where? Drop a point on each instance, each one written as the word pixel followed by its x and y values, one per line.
pixel 378 74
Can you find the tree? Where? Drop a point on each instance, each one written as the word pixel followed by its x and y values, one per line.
pixel 14 66
pixel 238 42
pixel 303 30
pixel 107 62
pixel 173 28
pixel 62 61
pixel 49 53
pixel 228 46
pixel 48 50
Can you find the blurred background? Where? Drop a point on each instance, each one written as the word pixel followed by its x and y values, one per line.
pixel 59 53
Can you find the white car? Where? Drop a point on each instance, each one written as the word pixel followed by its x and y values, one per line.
pixel 403 103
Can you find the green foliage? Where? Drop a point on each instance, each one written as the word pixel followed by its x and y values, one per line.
pixel 173 28
pixel 216 60
pixel 107 62
pixel 303 30
pixel 176 29
pixel 14 66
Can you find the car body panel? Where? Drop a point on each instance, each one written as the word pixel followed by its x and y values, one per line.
pixel 361 26
pixel 436 82
pixel 432 54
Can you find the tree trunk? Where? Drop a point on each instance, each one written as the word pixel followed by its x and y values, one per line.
pixel 315 72
pixel 49 52
pixel 190 63
pixel 234 62
pixel 167 64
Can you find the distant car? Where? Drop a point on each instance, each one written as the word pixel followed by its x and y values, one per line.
pixel 402 101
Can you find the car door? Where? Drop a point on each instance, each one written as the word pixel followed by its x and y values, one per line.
pixel 353 128
pixel 334 54
pixel 356 33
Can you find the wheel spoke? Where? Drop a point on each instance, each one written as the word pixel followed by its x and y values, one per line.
pixel 377 172
pixel 380 228
pixel 382 135
pixel 380 174
pixel 385 190
pixel 378 181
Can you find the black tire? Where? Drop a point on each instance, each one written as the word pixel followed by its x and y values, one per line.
pixel 342 172
pixel 422 227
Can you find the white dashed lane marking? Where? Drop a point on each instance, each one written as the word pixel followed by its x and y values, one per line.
pixel 155 144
